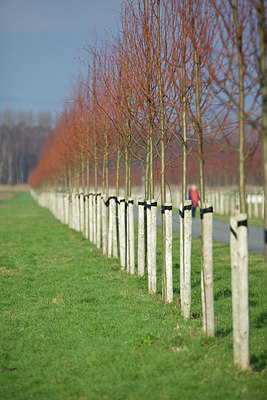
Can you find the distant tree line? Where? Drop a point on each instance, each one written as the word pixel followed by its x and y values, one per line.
pixel 22 136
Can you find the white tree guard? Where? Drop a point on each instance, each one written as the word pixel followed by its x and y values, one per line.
pixel 242 254
pixel 82 212
pixel 181 257
pixel 131 236
pixel 104 225
pixel 98 222
pixel 73 211
pixel 141 238
pixel 127 238
pixel 86 216
pixel 169 281
pixel 94 219
pixel 110 227
pixel 153 243
pixel 114 228
pixel 77 213
pixel 235 288
pixel 122 233
pixel 91 213
pixel 66 199
pixel 149 236
pixel 187 258
pixel 208 268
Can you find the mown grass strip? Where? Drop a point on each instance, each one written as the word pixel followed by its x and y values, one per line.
pixel 73 326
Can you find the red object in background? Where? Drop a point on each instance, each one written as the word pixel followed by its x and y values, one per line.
pixel 194 197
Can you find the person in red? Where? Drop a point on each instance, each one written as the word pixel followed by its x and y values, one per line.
pixel 194 197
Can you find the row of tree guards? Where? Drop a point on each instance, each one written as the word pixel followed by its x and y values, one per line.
pixel 108 222
pixel 179 80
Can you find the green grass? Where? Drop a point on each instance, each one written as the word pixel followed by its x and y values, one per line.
pixel 73 326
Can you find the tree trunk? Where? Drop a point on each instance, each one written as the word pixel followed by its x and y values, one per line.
pixel 162 156
pixel 241 149
pixel 263 85
pixel 141 238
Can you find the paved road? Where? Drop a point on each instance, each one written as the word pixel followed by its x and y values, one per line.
pixel 221 232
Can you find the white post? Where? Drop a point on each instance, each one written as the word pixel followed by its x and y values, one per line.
pixel 127 237
pixel 148 222
pixel 104 225
pixel 77 203
pixel 235 288
pixel 181 212
pixel 66 197
pixel 169 283
pixel 153 243
pixel 249 204
pixel 73 215
pixel 141 238
pixel 114 227
pixel 207 214
pixel 83 198
pixel 222 203
pixel 232 204
pixel 131 236
pixel 98 222
pixel 110 226
pixel 94 218
pixel 81 211
pixel 84 215
pixel 91 212
pixel 262 204
pixel 187 258
pixel 86 232
pixel 122 235
pixel 242 255
pixel 256 210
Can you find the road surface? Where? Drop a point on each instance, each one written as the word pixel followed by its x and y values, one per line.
pixel 221 232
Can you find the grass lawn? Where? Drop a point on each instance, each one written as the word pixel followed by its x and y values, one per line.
pixel 73 326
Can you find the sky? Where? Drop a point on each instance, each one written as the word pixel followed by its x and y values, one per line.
pixel 41 43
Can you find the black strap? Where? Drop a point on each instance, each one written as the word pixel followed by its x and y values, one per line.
pixel 164 208
pixel 130 202
pixel 122 200
pixel 205 211
pixel 141 203
pixel 233 232
pixel 111 198
pixel 185 208
pixel 242 223
pixel 154 204
pixel 265 235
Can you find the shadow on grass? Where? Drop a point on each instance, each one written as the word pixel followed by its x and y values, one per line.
pixel 258 363
pixel 261 321
pixel 222 333
pixel 222 293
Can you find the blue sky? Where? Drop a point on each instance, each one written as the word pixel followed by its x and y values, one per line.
pixel 40 44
